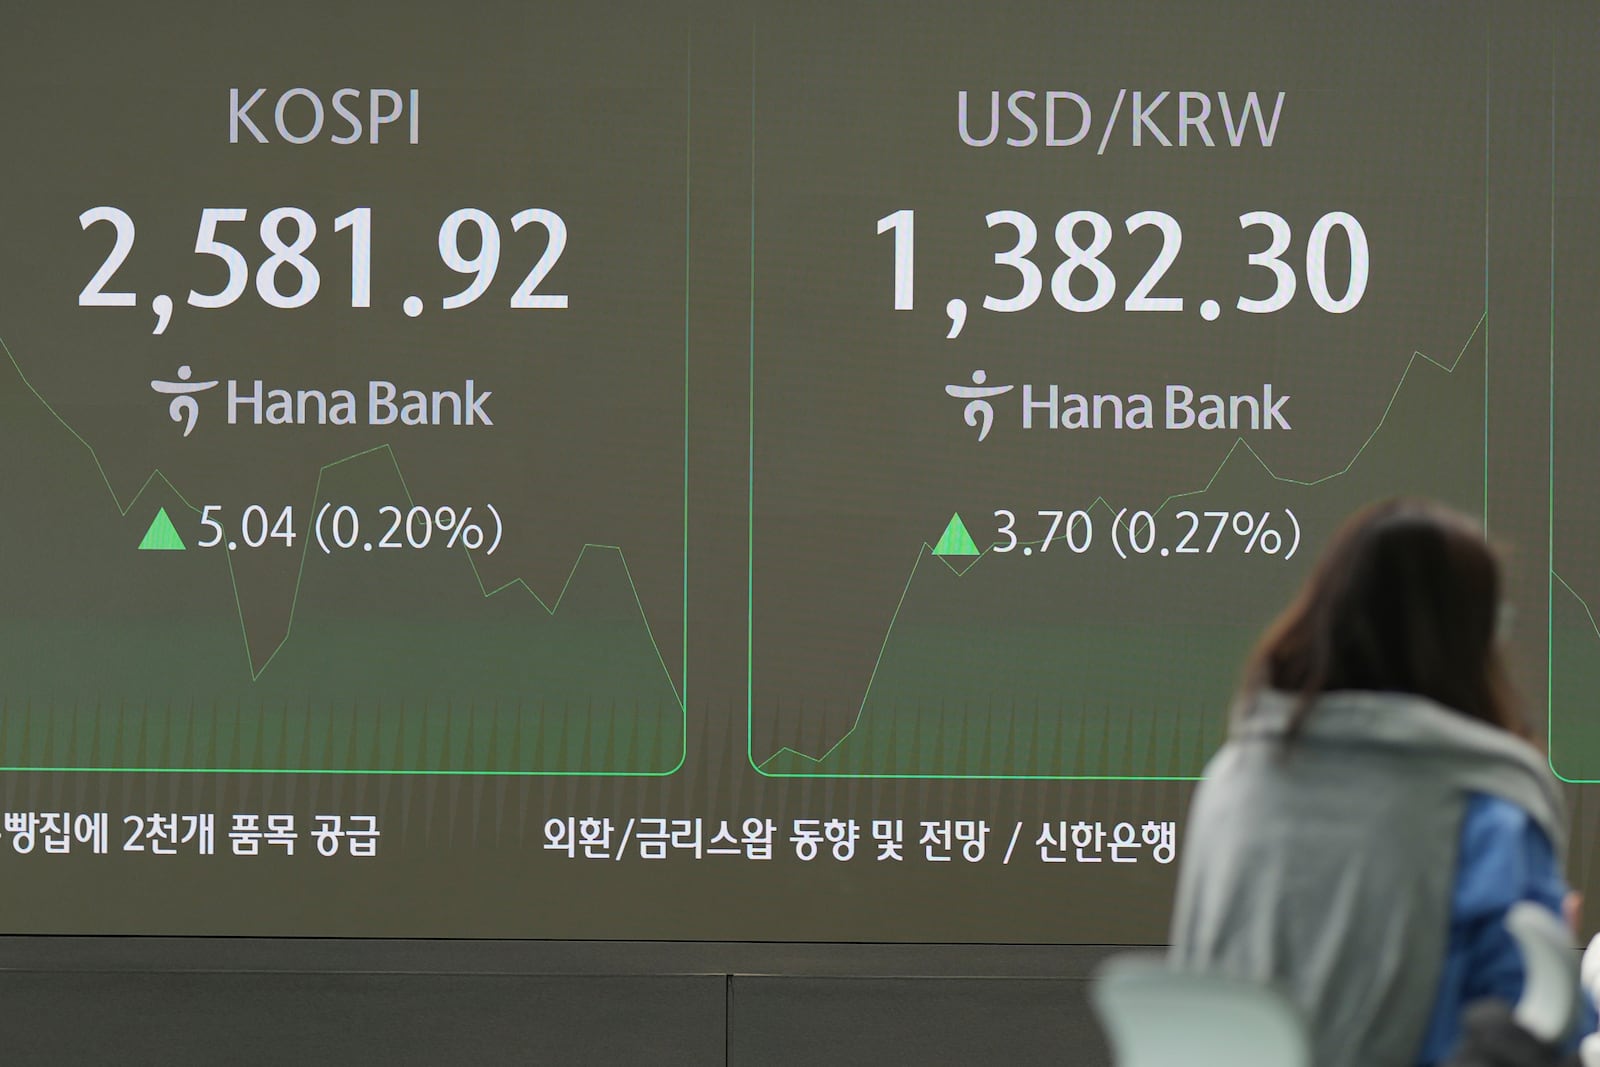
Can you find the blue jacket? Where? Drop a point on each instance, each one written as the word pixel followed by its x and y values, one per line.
pixel 1504 858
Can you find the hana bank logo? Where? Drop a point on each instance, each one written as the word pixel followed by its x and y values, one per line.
pixel 184 407
pixel 979 413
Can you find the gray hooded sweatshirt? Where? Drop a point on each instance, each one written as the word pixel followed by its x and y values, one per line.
pixel 1328 869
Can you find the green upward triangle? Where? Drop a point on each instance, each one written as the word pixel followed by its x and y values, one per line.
pixel 955 540
pixel 162 536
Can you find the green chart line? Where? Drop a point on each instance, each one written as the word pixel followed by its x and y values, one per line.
pixel 926 551
pixel 1550 670
pixel 256 672
pixel 1582 603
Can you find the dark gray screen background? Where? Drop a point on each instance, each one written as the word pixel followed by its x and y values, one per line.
pixel 666 129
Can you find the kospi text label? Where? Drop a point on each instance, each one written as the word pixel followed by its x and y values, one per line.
pixel 300 116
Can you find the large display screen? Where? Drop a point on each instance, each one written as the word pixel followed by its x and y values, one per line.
pixel 734 471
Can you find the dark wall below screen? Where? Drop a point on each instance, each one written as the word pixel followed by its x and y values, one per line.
pixel 427 1019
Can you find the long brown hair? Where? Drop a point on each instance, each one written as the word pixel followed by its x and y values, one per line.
pixel 1405 599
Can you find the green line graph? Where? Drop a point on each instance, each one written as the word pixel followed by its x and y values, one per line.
pixel 1588 612
pixel 317 497
pixel 862 663
pixel 1166 746
pixel 563 654
pixel 544 709
pixel 1572 664
pixel 1573 668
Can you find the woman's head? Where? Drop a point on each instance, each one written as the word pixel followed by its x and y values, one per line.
pixel 1406 599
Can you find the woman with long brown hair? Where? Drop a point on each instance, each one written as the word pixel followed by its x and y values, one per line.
pixel 1378 807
